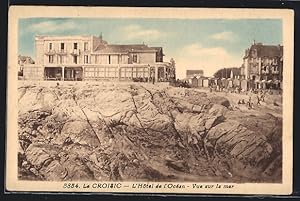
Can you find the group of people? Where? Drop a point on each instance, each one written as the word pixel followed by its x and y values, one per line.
pixel 260 97
pixel 218 88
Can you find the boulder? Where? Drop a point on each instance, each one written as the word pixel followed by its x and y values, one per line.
pixel 121 131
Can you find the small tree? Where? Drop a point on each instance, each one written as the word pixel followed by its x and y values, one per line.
pixel 225 72
pixel 173 69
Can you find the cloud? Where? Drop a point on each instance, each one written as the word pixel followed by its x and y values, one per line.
pixel 137 32
pixel 224 36
pixel 52 26
pixel 210 59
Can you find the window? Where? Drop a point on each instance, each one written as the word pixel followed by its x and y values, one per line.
pixel 86 47
pixel 134 72
pixel 112 72
pixel 254 53
pixel 109 59
pixel 61 59
pixel 146 72
pixel 140 72
pixel 101 72
pixel 128 73
pixel 134 58
pixel 75 46
pixel 50 46
pixel 50 59
pixel 75 59
pixel 62 46
pixel 86 59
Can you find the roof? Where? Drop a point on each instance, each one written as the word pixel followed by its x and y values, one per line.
pixel 125 48
pixel 266 50
pixel 24 58
pixel 62 37
pixel 193 72
pixel 157 48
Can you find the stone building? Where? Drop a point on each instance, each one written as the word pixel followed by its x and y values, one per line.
pixel 263 62
pixel 92 58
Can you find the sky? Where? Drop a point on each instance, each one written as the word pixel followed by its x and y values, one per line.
pixel 206 44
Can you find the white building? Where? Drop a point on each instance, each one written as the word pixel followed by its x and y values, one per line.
pixel 92 58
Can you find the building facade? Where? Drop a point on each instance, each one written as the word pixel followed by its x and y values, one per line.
pixel 92 58
pixel 263 62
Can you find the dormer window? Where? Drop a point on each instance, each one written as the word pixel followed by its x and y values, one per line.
pixel 254 53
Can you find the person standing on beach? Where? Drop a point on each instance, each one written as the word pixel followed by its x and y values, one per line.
pixel 249 103
pixel 258 100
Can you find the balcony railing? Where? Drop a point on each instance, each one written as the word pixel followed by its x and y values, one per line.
pixel 50 52
pixel 269 72
pixel 86 51
pixel 75 52
pixel 62 52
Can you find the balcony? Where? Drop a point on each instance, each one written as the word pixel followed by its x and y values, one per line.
pixel 50 52
pixel 62 52
pixel 75 52
pixel 275 72
pixel 87 51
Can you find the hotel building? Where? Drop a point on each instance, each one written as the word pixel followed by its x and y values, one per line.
pixel 92 58
pixel 263 62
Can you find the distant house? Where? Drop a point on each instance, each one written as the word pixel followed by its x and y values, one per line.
pixel 194 73
pixel 92 58
pixel 263 62
pixel 24 60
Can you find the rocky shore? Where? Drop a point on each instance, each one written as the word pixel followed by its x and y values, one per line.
pixel 144 132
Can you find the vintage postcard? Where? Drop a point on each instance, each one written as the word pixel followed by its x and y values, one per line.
pixel 150 100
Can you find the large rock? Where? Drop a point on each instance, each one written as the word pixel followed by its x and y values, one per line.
pixel 110 131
